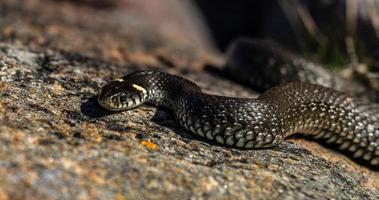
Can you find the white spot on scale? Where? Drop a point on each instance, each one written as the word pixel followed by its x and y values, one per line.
pixel 119 80
pixel 344 145
pixel 339 141
pixel 207 128
pixel 374 161
pixel 249 145
pixel 332 139
pixel 358 153
pixel 219 139
pixel 209 135
pixel 370 128
pixel 353 148
pixel 230 141
pixel 192 129
pixel 327 135
pixel 240 142
pixel 200 132
pixel 367 156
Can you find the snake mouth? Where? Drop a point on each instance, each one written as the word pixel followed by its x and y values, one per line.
pixel 109 105
pixel 119 102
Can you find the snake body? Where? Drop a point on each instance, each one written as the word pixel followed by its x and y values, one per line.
pixel 348 122
pixel 262 65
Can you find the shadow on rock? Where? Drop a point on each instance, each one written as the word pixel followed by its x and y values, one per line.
pixel 163 118
pixel 92 109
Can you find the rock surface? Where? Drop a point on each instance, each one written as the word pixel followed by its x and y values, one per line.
pixel 57 143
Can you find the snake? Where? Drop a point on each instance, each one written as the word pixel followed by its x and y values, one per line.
pixel 343 120
pixel 262 64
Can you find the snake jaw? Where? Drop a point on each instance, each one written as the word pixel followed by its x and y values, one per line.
pixel 108 104
pixel 120 102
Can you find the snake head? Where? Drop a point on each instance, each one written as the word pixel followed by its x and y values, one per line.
pixel 121 95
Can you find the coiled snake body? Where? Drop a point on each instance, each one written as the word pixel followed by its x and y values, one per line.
pixel 348 122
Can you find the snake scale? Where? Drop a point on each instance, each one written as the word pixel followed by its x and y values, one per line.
pixel 349 122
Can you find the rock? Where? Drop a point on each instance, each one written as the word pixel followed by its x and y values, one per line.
pixel 57 143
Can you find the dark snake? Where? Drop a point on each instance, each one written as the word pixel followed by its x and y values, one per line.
pixel 346 121
pixel 262 65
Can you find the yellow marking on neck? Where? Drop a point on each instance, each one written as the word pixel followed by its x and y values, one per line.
pixel 140 88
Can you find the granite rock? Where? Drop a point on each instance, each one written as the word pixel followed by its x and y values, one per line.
pixel 57 143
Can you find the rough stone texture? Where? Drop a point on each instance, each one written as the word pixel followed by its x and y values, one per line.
pixel 56 143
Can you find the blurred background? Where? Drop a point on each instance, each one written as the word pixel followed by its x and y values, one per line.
pixel 337 33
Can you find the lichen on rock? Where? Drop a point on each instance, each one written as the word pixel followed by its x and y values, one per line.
pixel 57 143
